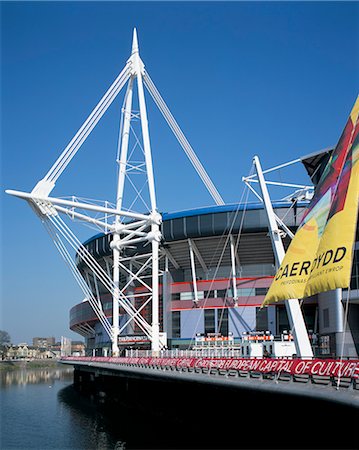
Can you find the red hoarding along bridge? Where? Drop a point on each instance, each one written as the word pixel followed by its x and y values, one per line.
pixel 348 369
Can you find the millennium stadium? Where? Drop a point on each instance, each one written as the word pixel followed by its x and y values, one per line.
pixel 216 264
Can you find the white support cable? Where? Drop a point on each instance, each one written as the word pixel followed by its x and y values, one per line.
pixel 182 139
pixel 230 231
pixel 138 193
pixel 128 307
pixel 71 149
pixel 134 276
pixel 272 169
pixel 144 323
pixel 279 183
pixel 71 214
pixel 76 273
pixel 85 288
pixel 278 220
pixel 137 313
pixel 97 289
pixel 93 265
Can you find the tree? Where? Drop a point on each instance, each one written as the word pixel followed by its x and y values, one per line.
pixel 4 343
pixel 4 338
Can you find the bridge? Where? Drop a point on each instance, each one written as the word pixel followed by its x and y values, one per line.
pixel 290 376
pixel 306 395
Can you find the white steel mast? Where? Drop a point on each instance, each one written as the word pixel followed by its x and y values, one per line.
pixel 154 236
pixel 295 316
pixel 129 227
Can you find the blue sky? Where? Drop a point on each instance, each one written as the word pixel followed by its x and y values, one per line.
pixel 275 79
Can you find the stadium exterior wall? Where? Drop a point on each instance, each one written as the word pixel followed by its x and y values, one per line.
pixel 209 229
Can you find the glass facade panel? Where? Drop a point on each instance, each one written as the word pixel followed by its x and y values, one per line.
pixel 209 321
pixel 261 319
pixel 176 324
pixel 261 291
pixel 246 292
pixel 222 321
pixel 190 295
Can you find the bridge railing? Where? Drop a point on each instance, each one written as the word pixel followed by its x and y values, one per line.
pixel 219 352
pixel 335 372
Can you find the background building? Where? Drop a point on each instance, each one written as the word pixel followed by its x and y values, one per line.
pixel 43 342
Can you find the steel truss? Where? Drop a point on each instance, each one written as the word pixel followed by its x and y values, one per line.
pixel 128 228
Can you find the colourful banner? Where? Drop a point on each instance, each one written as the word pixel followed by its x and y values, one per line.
pixel 319 257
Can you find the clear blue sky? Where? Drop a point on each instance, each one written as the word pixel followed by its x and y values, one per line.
pixel 277 79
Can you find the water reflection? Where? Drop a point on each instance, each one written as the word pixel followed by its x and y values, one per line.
pixel 89 418
pixel 24 376
pixel 40 409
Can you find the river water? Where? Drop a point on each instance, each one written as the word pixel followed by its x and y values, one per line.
pixel 41 410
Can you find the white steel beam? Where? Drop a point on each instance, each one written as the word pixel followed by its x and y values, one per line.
pixel 170 257
pixel 198 255
pixel 59 201
pixel 294 312
pixel 125 134
pixel 279 221
pixel 234 271
pixel 138 68
pixel 155 293
pixel 72 214
pixel 193 270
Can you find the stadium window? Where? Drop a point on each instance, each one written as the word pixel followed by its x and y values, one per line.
pixel 222 321
pixel 261 291
pixel 245 292
pixel 210 294
pixel 261 319
pixel 209 321
pixel 326 318
pixel 190 295
pixel 186 296
pixel 176 324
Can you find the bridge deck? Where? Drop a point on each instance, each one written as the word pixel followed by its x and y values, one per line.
pixel 329 380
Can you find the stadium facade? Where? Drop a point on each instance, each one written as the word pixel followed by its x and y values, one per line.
pixel 201 294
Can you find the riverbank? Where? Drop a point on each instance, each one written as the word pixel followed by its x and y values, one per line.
pixel 31 364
